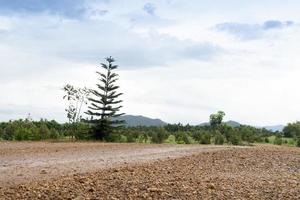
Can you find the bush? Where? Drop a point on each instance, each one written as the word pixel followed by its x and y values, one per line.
pixel 143 138
pixel 82 131
pixel 291 142
pixel 171 139
pixel 197 135
pixel 122 139
pixel 44 132
pixel 9 131
pixel 219 138
pixel 267 140
pixel 188 139
pixel 54 134
pixel 1 133
pixel 130 138
pixel 298 141
pixel 278 140
pixel 234 138
pixel 159 136
pixel 205 138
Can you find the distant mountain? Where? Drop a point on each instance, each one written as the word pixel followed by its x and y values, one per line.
pixel 133 120
pixel 138 120
pixel 233 123
pixel 274 128
pixel 229 123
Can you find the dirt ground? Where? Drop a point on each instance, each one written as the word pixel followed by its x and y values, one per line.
pixel 21 162
pixel 133 171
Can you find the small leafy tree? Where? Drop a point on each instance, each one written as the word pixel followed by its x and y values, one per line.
pixel 104 108
pixel 215 120
pixel 76 97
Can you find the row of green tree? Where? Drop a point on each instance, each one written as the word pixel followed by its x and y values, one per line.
pixel 219 133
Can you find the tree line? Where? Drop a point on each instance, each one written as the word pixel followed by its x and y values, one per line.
pixel 212 133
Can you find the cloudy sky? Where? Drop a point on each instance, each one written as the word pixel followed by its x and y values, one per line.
pixel 179 60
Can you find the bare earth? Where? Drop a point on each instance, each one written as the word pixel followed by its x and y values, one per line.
pixel 37 170
pixel 24 161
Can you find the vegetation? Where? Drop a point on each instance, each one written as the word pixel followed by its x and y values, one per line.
pixel 104 106
pixel 171 133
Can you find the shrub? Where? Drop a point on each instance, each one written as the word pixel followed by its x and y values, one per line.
pixel 278 140
pixel 8 132
pixel 44 132
pixel 291 142
pixel 130 138
pixel 298 141
pixel 54 134
pixel 159 136
pixel 184 137
pixel 1 133
pixel 219 138
pixel 171 139
pixel 205 138
pixel 188 139
pixel 197 135
pixel 82 131
pixel 122 139
pixel 234 138
pixel 267 140
pixel 143 138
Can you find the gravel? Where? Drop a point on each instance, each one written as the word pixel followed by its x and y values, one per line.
pixel 259 172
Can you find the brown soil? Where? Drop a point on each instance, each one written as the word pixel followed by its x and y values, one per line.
pixel 21 162
pixel 260 172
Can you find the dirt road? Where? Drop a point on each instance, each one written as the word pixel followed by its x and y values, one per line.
pixel 21 162
pixel 132 171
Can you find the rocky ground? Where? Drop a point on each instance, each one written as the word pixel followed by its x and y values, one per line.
pixel 259 172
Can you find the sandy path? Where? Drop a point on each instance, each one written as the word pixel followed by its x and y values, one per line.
pixel 22 162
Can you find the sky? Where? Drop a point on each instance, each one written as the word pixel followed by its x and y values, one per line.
pixel 178 60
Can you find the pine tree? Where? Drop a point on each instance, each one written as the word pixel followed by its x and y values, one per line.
pixel 104 107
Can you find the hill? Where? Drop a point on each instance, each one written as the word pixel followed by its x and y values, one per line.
pixel 138 120
pixel 274 128
pixel 230 123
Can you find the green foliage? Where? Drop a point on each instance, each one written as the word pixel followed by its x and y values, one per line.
pixel 172 134
pixel 247 134
pixel 44 132
pixel 298 141
pixel 182 137
pixel 54 134
pixel 171 140
pixel 103 106
pixel 219 138
pixel 278 140
pixel 130 138
pixel 82 131
pixel 122 139
pixel 41 130
pixel 205 138
pixel 266 140
pixel 292 130
pixel 234 138
pixel 216 119
pixel 159 136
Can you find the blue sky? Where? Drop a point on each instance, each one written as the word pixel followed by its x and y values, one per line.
pixel 179 60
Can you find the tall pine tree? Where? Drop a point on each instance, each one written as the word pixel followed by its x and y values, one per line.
pixel 104 107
